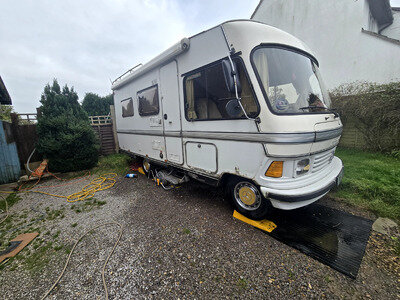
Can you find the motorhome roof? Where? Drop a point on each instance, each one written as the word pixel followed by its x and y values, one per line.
pixel 252 33
pixel 237 33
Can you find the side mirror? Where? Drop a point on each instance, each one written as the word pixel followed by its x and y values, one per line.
pixel 233 108
pixel 230 75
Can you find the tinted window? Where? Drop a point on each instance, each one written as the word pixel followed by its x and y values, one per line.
pixel 127 108
pixel 206 94
pixel 148 101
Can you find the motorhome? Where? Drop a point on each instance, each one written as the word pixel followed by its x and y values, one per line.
pixel 241 105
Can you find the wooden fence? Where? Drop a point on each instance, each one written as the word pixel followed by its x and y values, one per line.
pixel 106 138
pixel 104 126
pixel 352 137
pixel 23 131
pixel 28 118
pixel 25 136
pixel 100 120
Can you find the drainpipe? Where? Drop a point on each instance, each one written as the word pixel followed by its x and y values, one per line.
pixel 384 26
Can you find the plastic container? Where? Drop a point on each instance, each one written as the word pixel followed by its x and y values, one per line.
pixel 130 175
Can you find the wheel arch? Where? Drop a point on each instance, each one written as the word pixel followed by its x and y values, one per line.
pixel 226 177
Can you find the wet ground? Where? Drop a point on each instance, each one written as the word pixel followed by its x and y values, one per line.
pixel 181 243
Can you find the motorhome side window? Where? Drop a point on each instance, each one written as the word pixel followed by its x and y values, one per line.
pixel 127 107
pixel 148 101
pixel 206 94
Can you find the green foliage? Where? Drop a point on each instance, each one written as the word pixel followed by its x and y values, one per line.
pixel 5 112
pixel 376 110
pixel 371 180
pixel 242 283
pixel 186 231
pixel 395 153
pixel 39 258
pixel 65 135
pixel 11 200
pixel 396 245
pixel 114 163
pixel 95 105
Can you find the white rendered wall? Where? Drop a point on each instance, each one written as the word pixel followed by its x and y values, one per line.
pixel 332 29
pixel 393 31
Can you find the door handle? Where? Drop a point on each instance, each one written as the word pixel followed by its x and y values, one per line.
pixel 165 116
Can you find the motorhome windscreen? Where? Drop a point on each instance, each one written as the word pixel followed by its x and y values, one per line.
pixel 291 81
pixel 206 94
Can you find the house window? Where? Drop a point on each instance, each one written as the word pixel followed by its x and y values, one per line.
pixel 127 107
pixel 148 101
pixel 206 94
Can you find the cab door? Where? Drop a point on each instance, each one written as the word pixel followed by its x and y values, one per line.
pixel 171 112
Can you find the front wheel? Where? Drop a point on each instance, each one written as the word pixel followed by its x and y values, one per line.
pixel 247 198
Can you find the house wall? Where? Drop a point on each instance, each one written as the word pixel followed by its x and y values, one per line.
pixel 393 31
pixel 332 29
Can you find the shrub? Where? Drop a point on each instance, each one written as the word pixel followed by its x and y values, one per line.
pixel 375 110
pixel 5 112
pixel 65 135
pixel 95 105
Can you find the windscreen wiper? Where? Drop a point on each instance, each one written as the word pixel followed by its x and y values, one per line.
pixel 332 110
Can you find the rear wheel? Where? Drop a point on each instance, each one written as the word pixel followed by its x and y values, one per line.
pixel 247 198
pixel 146 166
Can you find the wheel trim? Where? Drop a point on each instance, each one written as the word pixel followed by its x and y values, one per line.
pixel 146 165
pixel 247 195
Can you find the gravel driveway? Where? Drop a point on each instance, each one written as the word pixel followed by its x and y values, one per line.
pixel 178 244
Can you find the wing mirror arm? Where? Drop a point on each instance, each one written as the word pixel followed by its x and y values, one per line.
pixel 235 84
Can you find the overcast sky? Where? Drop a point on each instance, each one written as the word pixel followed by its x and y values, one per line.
pixel 87 43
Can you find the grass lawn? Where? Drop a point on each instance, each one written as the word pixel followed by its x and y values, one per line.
pixel 371 180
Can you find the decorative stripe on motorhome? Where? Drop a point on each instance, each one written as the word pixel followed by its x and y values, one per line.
pixel 272 138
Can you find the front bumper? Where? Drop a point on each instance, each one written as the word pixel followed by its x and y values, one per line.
pixel 291 198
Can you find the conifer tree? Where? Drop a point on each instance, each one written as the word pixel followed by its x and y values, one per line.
pixel 94 105
pixel 65 135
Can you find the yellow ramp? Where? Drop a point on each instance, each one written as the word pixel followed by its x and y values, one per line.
pixel 265 225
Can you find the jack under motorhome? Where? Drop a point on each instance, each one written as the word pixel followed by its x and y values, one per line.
pixel 240 105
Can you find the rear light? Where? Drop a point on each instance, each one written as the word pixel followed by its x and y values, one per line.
pixel 275 169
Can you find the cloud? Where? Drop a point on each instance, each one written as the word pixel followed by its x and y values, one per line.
pixel 395 3
pixel 87 43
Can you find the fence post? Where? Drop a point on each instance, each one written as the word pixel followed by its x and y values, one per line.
pixel 114 127
pixel 14 128
pixel 38 112
pixel 15 133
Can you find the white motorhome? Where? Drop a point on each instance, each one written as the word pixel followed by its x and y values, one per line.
pixel 241 105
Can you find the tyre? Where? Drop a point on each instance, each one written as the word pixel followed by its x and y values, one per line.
pixel 247 198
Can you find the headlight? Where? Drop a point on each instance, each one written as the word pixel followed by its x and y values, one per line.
pixel 303 166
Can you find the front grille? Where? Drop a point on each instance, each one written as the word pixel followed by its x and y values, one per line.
pixel 322 160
